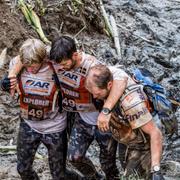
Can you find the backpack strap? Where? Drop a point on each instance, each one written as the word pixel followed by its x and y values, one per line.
pixel 58 84
pixel 56 79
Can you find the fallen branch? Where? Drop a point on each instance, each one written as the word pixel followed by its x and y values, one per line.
pixel 116 36
pixel 106 20
pixel 32 19
pixel 79 32
pixel 14 119
pixel 14 148
pixel 135 35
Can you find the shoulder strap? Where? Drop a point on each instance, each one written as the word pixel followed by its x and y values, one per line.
pixel 56 79
pixel 58 84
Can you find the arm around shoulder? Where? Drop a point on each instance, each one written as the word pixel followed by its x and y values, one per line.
pixel 15 67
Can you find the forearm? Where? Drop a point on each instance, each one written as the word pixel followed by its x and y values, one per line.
pixel 156 147
pixel 115 93
pixel 15 68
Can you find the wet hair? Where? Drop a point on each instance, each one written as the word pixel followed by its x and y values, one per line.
pixel 62 48
pixel 99 75
pixel 32 51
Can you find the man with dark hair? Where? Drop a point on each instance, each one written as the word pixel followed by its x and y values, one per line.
pixel 72 67
pixel 66 51
pixel 131 123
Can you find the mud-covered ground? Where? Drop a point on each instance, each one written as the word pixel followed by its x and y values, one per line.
pixel 149 34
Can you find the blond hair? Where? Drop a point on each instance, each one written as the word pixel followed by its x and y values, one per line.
pixel 32 51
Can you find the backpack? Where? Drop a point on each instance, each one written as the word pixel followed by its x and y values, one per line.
pixel 158 98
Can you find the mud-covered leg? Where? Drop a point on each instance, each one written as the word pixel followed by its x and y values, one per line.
pixel 122 154
pixel 138 164
pixel 28 142
pixel 81 137
pixel 108 147
pixel 56 144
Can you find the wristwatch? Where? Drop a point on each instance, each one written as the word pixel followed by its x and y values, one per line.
pixel 105 110
pixel 156 168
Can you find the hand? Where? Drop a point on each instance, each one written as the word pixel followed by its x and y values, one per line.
pixel 157 176
pixel 8 83
pixel 14 85
pixel 103 122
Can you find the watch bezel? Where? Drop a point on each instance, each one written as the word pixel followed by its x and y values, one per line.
pixel 105 110
pixel 156 168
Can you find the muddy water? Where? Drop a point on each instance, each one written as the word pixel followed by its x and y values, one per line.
pixel 149 37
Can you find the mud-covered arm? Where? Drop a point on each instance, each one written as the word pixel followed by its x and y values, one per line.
pixel 15 67
pixel 155 142
pixel 116 92
pixel 9 81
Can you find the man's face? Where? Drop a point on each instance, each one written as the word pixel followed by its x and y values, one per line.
pixel 67 64
pixel 33 68
pixel 98 93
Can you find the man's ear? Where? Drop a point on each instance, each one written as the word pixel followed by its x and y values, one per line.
pixel 109 85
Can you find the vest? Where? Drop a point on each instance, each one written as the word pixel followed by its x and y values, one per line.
pixel 38 93
pixel 75 96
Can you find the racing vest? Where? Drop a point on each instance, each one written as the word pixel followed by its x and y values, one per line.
pixel 124 113
pixel 38 94
pixel 75 97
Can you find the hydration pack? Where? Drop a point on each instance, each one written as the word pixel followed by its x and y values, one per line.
pixel 156 93
pixel 158 98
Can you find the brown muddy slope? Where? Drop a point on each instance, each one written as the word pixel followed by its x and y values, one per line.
pixel 13 29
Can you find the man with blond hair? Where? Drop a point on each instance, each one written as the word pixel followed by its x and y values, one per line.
pixel 41 121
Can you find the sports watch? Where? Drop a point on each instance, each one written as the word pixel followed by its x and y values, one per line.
pixel 156 168
pixel 105 110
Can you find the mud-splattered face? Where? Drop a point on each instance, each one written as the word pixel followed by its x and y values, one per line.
pixel 97 92
pixel 67 64
pixel 33 68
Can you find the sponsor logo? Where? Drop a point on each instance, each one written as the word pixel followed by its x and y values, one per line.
pixel 70 78
pixel 132 117
pixel 70 93
pixel 37 102
pixel 38 84
pixel 70 75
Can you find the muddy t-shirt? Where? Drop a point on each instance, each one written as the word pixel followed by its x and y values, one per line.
pixel 36 101
pixel 134 106
pixel 119 74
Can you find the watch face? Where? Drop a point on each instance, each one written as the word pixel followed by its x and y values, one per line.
pixel 156 168
pixel 105 111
